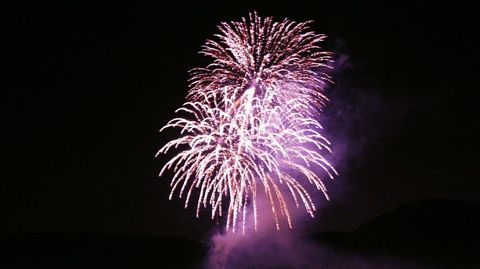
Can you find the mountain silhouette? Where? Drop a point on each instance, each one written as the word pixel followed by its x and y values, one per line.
pixel 435 233
pixel 444 233
pixel 98 251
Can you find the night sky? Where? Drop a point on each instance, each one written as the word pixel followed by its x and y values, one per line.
pixel 90 85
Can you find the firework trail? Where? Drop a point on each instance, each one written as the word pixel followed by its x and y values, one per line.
pixel 250 123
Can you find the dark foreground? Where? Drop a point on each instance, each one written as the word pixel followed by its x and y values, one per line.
pixel 430 234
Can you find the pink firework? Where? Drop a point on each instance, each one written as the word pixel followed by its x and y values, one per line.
pixel 250 127
pixel 283 57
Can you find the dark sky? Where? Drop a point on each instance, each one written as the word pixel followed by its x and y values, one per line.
pixel 90 85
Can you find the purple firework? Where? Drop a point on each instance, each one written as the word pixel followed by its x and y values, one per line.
pixel 250 128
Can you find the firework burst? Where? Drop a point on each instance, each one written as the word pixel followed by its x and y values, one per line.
pixel 250 127
pixel 282 57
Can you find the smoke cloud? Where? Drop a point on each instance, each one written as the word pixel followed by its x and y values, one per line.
pixel 285 248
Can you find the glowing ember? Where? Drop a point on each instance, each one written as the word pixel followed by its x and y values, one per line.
pixel 251 128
